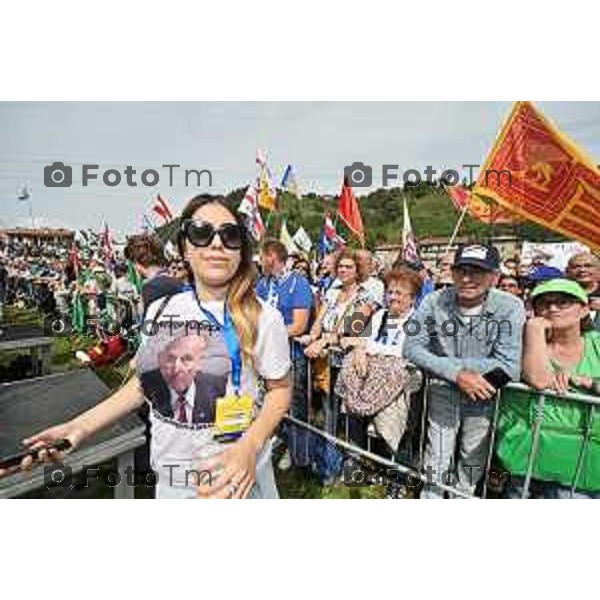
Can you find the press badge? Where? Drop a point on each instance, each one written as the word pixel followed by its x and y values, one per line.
pixel 234 414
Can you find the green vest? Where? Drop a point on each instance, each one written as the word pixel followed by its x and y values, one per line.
pixel 570 431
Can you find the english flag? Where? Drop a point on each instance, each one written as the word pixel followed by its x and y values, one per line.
pixel 249 207
pixel 410 251
pixel 330 240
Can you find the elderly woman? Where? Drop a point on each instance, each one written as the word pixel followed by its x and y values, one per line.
pixel 343 309
pixel 374 378
pixel 561 352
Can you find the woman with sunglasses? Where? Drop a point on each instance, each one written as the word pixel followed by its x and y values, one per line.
pixel 243 340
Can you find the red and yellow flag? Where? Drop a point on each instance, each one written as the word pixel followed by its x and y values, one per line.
pixel 486 211
pixel 537 172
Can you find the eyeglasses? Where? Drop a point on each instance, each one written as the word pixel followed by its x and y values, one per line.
pixel 560 303
pixel 202 234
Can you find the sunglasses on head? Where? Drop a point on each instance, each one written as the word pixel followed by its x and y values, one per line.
pixel 202 234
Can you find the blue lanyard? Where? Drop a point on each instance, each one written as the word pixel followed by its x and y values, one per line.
pixel 273 292
pixel 231 341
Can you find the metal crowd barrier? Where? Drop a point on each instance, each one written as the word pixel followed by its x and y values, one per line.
pixel 330 432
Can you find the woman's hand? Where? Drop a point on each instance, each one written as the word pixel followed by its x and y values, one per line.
pixel 42 440
pixel 351 342
pixel 316 348
pixel 236 474
pixel 304 340
pixel 582 381
pixel 538 324
pixel 561 382
pixel 360 360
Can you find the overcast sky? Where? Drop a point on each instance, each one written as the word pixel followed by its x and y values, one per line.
pixel 317 138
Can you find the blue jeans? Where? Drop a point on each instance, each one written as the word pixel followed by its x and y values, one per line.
pixel 455 422
pixel 295 436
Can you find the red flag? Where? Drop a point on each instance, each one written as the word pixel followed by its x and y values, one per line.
pixel 159 210
pixel 74 259
pixel 166 207
pixel 349 212
pixel 459 195
pixel 106 245
pixel 162 209
pixel 486 211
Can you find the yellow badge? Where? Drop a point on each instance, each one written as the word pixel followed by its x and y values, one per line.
pixel 234 413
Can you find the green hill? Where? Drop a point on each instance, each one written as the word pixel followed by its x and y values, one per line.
pixel 431 211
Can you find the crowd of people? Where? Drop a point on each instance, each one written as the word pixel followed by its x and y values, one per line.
pixel 342 343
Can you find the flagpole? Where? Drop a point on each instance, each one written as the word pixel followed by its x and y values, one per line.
pixel 456 228
pixel 31 211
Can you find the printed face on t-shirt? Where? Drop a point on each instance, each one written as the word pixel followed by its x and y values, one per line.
pixel 193 363
pixel 180 361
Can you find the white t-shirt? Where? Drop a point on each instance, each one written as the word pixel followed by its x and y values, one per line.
pixel 337 311
pixel 375 289
pixel 393 342
pixel 181 444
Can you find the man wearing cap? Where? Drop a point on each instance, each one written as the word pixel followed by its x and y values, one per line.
pixel 464 333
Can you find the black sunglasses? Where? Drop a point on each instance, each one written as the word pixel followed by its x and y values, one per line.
pixel 201 234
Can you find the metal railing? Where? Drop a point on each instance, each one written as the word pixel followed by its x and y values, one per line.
pixel 414 471
pixel 587 400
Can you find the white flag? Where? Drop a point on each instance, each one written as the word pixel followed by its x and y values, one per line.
pixel 302 240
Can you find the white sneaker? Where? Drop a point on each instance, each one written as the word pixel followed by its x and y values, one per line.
pixel 285 462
